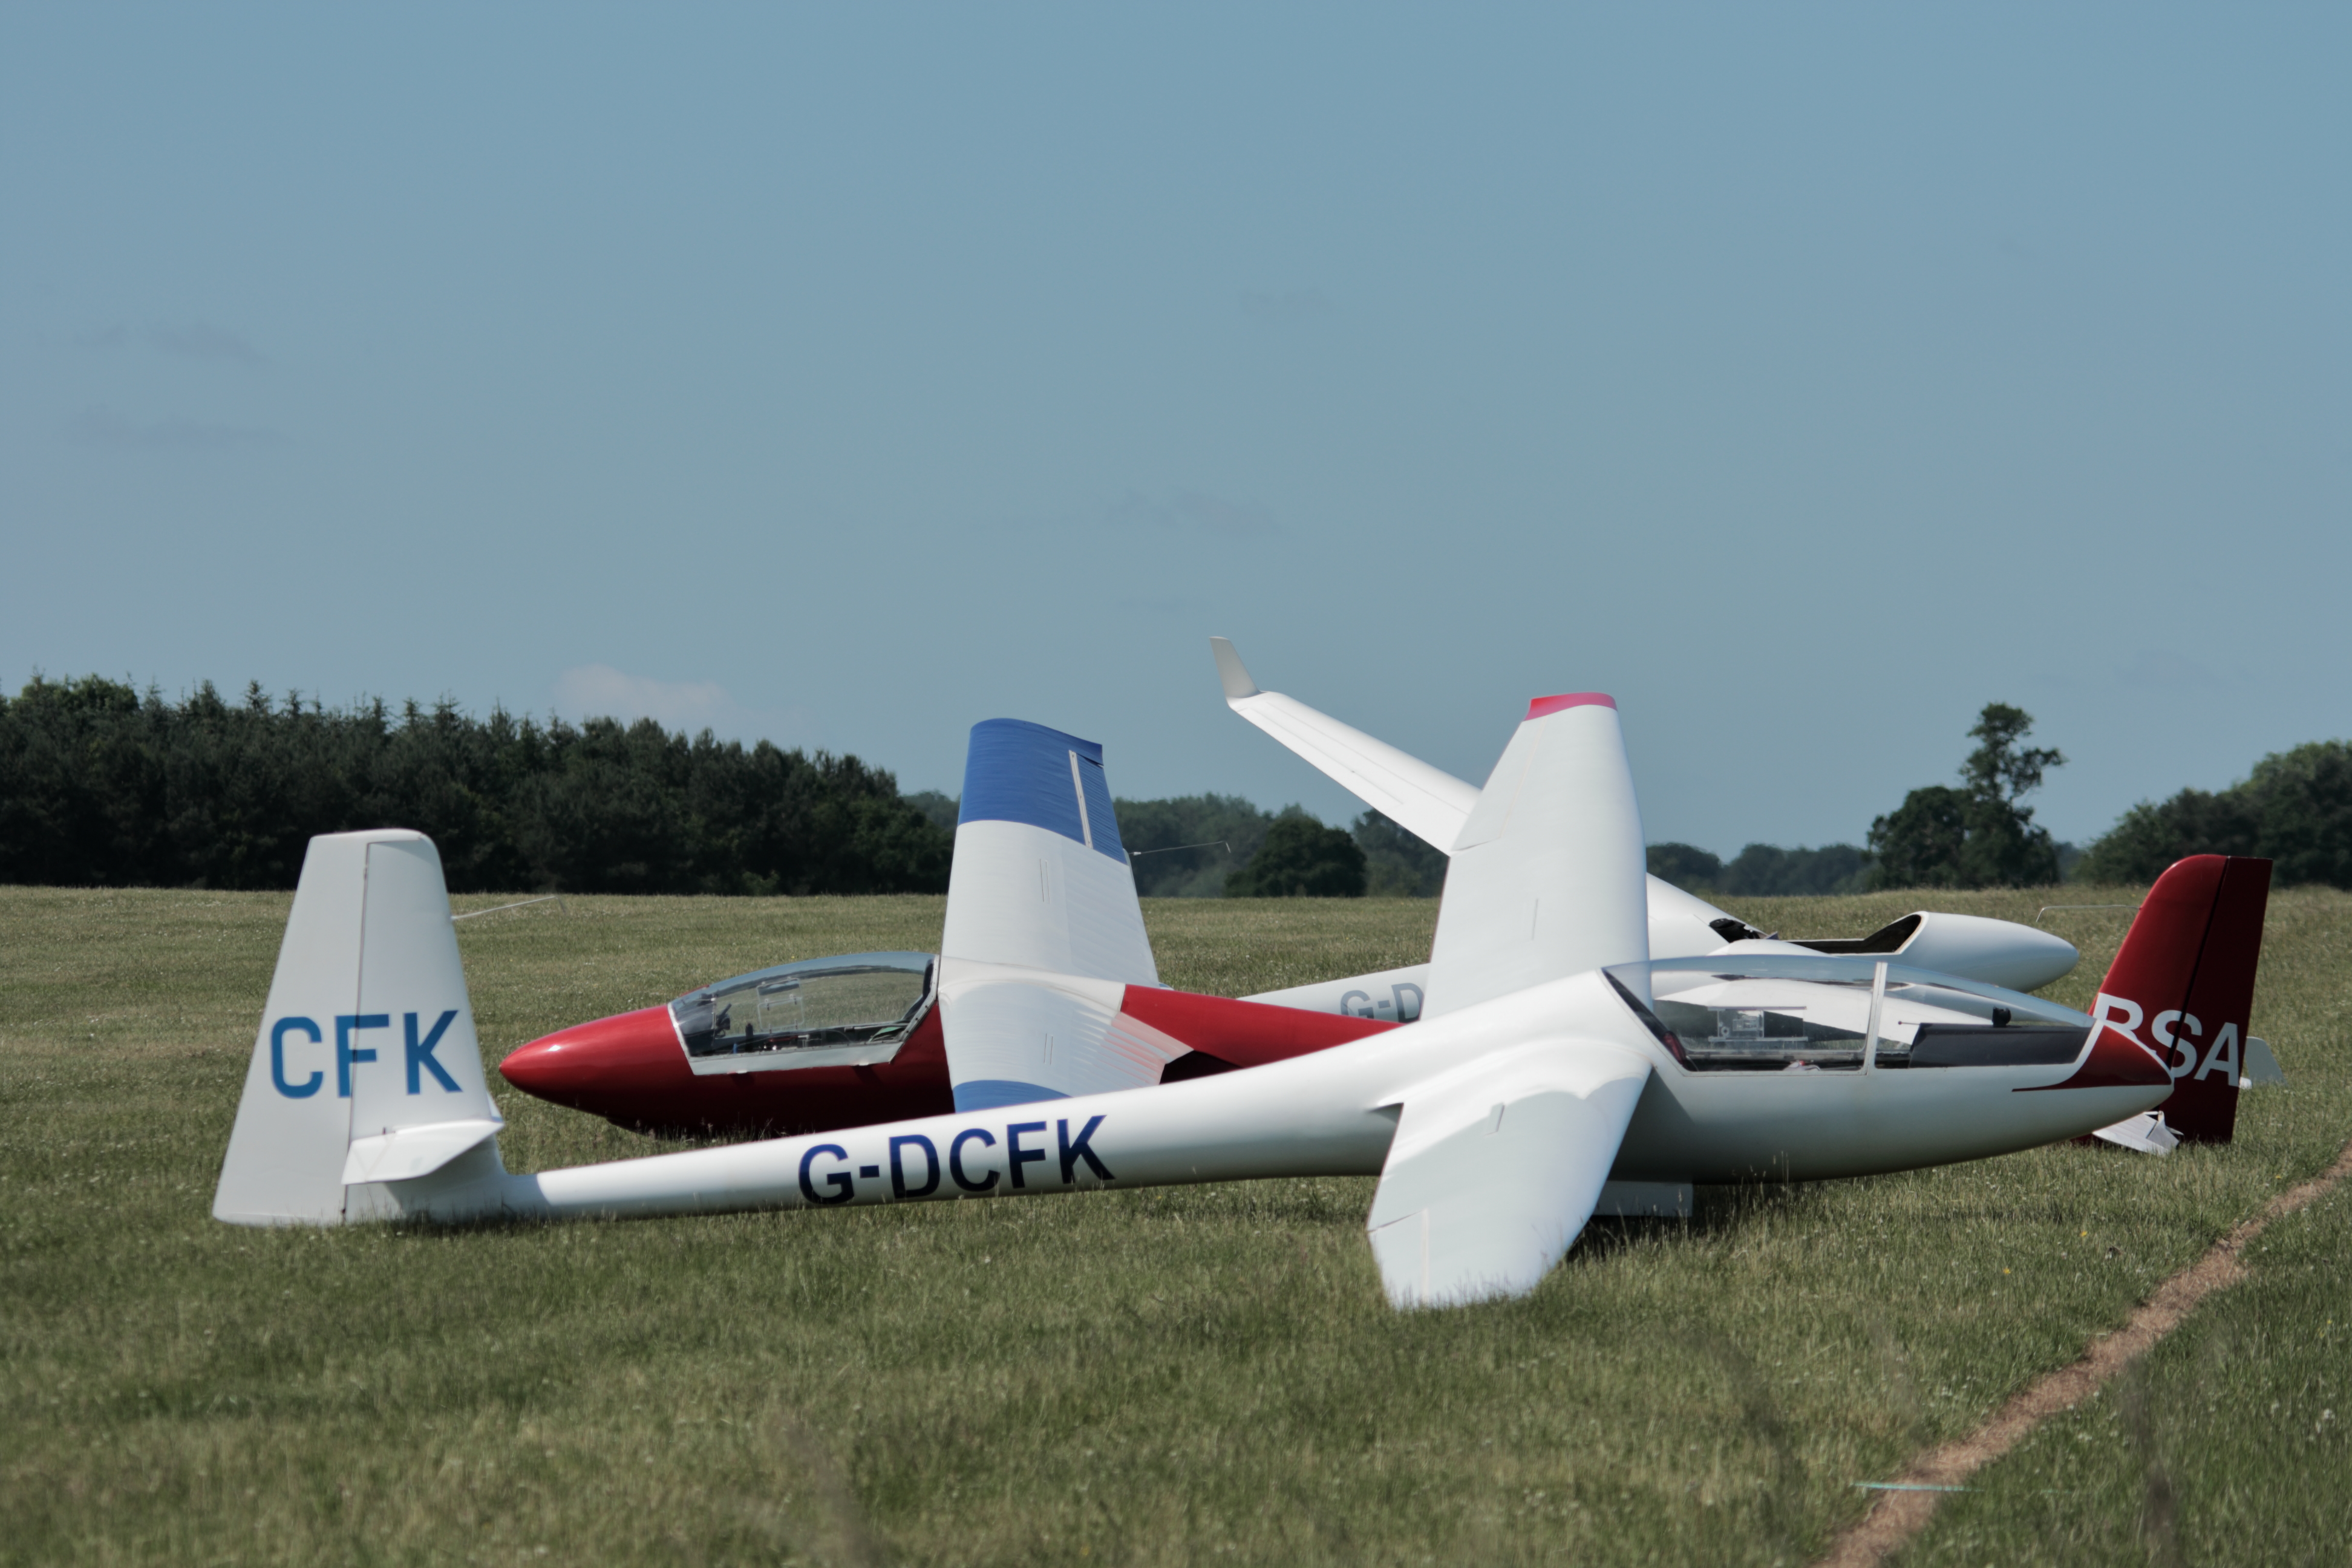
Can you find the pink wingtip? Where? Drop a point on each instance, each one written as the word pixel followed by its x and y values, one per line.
pixel 1543 705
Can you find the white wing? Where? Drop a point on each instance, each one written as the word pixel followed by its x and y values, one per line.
pixel 1428 802
pixel 1494 1171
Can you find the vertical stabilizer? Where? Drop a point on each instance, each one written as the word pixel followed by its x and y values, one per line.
pixel 1547 879
pixel 365 1068
pixel 2188 962
pixel 2181 992
pixel 1044 930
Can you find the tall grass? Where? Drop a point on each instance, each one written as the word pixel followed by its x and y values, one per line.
pixel 1200 1375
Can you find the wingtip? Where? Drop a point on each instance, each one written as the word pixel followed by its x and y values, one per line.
pixel 1231 671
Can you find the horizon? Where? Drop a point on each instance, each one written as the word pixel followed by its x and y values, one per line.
pixel 1805 379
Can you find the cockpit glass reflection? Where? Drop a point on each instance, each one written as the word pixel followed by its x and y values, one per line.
pixel 864 998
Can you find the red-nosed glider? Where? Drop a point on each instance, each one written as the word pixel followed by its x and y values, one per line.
pixel 1541 1065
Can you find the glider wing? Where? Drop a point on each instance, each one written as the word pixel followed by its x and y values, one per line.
pixel 1426 801
pixel 1494 1173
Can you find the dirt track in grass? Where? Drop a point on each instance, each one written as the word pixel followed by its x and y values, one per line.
pixel 1899 1516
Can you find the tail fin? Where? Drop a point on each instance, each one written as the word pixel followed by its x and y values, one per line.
pixel 2183 987
pixel 365 1068
pixel 1426 801
pixel 1547 878
pixel 1044 931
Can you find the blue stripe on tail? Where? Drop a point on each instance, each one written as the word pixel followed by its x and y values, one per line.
pixel 1020 772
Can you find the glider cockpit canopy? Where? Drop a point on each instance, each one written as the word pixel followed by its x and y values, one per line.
pixel 1841 1012
pixel 853 1010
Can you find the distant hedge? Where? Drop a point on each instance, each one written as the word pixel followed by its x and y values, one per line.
pixel 102 785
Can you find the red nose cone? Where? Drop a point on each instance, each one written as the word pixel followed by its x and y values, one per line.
pixel 594 1067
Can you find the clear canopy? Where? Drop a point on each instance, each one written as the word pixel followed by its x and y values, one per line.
pixel 855 1008
pixel 1780 1013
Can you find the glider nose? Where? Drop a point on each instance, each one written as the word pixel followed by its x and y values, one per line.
pixel 588 1065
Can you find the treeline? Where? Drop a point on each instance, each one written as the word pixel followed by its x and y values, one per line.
pixel 2295 809
pixel 1764 870
pixel 1221 846
pixel 1241 850
pixel 103 785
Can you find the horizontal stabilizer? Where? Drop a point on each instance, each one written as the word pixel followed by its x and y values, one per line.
pixel 1014 1037
pixel 2144 1132
pixel 412 1151
pixel 1494 1171
pixel 2262 1065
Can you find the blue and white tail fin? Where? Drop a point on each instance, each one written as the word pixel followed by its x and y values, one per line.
pixel 366 1069
pixel 1547 878
pixel 1044 931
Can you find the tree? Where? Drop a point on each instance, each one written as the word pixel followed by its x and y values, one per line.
pixel 1398 864
pixel 2295 808
pixel 1301 858
pixel 1768 871
pixel 1687 865
pixel 1981 835
pixel 1185 847
pixel 100 785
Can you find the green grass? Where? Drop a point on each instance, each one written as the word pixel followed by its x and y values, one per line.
pixel 1171 1376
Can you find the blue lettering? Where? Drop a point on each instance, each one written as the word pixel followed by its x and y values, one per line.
pixel 955 1159
pixel 347 1054
pixel 838 1179
pixel 1072 1152
pixel 899 1187
pixel 421 1056
pixel 277 1034
pixel 1015 1155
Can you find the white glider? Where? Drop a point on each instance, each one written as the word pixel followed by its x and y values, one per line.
pixel 1441 810
pixel 1541 1069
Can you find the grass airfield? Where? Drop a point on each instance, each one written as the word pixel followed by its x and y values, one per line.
pixel 1165 1376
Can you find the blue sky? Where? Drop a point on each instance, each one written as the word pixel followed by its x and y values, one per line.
pixel 1806 377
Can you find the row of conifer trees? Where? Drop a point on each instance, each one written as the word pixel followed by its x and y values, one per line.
pixel 101 784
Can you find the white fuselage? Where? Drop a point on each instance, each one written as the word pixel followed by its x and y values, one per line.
pixel 1998 952
pixel 1331 1113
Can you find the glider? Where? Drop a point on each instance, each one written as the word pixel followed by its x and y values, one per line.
pixel 1540 1067
pixel 1439 809
pixel 1044 985
pixel 859 1039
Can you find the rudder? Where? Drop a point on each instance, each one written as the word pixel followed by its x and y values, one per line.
pixel 2181 988
pixel 366 1068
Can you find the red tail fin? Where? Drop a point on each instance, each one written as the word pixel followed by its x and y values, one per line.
pixel 2186 971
